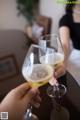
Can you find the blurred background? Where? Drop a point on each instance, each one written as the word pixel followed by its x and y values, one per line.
pixel 10 20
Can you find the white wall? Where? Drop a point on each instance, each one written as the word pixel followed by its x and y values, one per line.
pixel 52 9
pixel 8 16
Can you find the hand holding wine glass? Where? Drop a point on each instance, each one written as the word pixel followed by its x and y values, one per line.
pixel 17 100
pixel 60 70
pixel 35 73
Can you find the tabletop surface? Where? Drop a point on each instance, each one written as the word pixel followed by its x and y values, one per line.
pixel 71 101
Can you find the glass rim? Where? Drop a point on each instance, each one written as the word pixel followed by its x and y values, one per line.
pixel 29 51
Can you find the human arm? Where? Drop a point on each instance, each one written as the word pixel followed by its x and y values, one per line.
pixel 17 101
pixel 65 40
pixel 64 33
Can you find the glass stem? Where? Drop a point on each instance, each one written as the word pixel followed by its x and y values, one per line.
pixel 56 100
pixel 28 114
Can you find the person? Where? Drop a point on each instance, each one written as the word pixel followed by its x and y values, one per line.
pixel 18 99
pixel 69 29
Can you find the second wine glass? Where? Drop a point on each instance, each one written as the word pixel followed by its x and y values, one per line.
pixel 51 53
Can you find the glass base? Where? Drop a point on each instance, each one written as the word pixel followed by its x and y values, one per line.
pixel 60 114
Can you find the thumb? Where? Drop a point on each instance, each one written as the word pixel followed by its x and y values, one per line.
pixel 21 90
pixel 30 94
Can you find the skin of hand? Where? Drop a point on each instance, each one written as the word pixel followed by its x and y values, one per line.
pixel 64 33
pixel 17 101
pixel 60 70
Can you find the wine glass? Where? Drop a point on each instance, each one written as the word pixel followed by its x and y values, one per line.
pixel 52 53
pixel 35 74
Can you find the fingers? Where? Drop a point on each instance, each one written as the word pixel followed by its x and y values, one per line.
pixel 29 96
pixel 21 90
pixel 53 81
pixel 59 71
pixel 23 86
pixel 36 101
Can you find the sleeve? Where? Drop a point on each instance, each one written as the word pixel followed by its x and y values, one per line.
pixel 64 21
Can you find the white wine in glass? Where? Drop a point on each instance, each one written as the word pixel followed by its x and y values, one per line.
pixel 39 76
pixel 54 59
